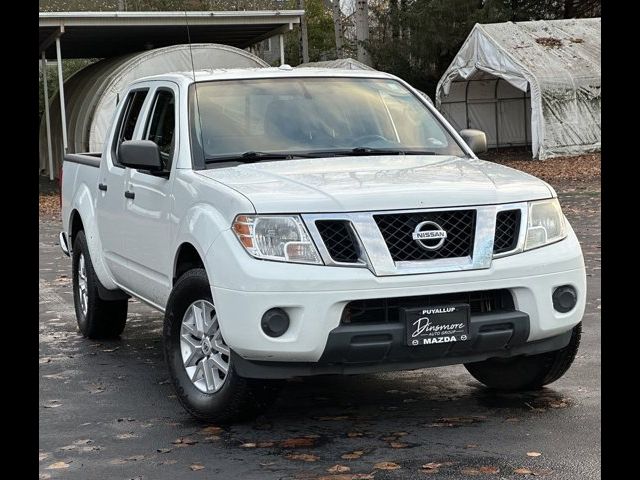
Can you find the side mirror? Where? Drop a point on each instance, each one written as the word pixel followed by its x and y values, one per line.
pixel 476 139
pixel 140 154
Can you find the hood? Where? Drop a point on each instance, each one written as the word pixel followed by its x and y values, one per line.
pixel 367 183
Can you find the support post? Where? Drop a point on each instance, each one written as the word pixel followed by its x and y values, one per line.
pixel 46 115
pixel 63 113
pixel 281 49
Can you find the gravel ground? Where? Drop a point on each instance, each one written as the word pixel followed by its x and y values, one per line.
pixel 108 411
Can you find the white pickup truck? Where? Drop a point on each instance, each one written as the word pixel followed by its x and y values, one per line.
pixel 295 222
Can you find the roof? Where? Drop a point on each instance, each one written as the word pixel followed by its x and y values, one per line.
pixel 559 51
pixel 558 61
pixel 270 72
pixel 109 34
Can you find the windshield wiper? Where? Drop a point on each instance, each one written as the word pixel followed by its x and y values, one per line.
pixel 373 151
pixel 252 156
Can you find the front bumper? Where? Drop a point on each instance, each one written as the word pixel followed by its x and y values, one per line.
pixel 315 296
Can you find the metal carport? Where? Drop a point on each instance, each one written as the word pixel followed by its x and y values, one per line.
pixel 110 34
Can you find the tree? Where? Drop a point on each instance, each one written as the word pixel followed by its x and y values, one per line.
pixel 362 31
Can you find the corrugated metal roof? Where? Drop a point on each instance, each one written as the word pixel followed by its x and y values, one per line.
pixel 109 34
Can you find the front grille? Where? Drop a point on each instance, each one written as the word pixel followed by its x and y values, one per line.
pixel 397 230
pixel 387 310
pixel 338 237
pixel 507 230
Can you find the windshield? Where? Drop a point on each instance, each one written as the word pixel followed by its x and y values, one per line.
pixel 262 117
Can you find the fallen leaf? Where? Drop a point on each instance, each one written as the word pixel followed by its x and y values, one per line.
pixel 135 458
pixel 196 466
pixel 338 469
pixel 431 466
pixel 44 476
pixel 248 445
pixel 523 471
pixel 42 456
pixel 354 434
pixel 58 465
pixel 211 438
pixel 304 457
pixel 298 442
pixel 400 434
pixel 211 430
pixel 184 441
pixel 386 466
pixel 44 360
pixel 470 471
pixel 265 444
pixel 489 470
pixel 471 445
pixel 337 477
pixel 163 450
pixel 353 455
pixel 398 445
pixel 362 476
pixel 124 436
pixel 109 350
pixel 533 454
pixel 117 461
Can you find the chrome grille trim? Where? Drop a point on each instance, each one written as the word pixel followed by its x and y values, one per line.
pixel 376 257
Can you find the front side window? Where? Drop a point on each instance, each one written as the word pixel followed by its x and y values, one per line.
pixel 162 125
pixel 128 120
pixel 314 116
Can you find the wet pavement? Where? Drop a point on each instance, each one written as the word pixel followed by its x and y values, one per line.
pixel 107 409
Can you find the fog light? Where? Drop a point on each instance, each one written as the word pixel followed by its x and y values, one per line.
pixel 275 322
pixel 564 298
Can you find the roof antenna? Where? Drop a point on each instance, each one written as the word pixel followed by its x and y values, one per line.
pixel 195 91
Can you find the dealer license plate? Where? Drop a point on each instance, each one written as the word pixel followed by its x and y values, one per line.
pixel 437 324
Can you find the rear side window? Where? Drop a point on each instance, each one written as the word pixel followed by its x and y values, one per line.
pixel 161 126
pixel 128 120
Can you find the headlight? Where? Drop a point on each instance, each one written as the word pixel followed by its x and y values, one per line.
pixel 546 224
pixel 276 237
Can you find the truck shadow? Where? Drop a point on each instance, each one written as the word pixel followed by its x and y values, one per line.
pixel 444 397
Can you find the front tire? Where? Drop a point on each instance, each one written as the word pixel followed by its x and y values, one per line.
pixel 97 318
pixel 527 373
pixel 199 361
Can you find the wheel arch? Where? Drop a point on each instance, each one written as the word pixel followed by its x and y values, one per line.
pixel 75 225
pixel 186 258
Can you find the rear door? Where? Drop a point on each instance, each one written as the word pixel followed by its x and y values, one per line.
pixel 146 224
pixel 113 179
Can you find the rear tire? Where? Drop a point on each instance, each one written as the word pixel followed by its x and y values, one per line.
pixel 97 318
pixel 527 373
pixel 193 343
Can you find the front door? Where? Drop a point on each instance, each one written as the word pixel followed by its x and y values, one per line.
pixel 146 223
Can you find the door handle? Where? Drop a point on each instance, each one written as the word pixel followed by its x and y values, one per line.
pixel 129 194
pixel 102 186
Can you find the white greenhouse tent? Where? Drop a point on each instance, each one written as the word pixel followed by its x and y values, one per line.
pixel 344 63
pixel 92 94
pixel 528 83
